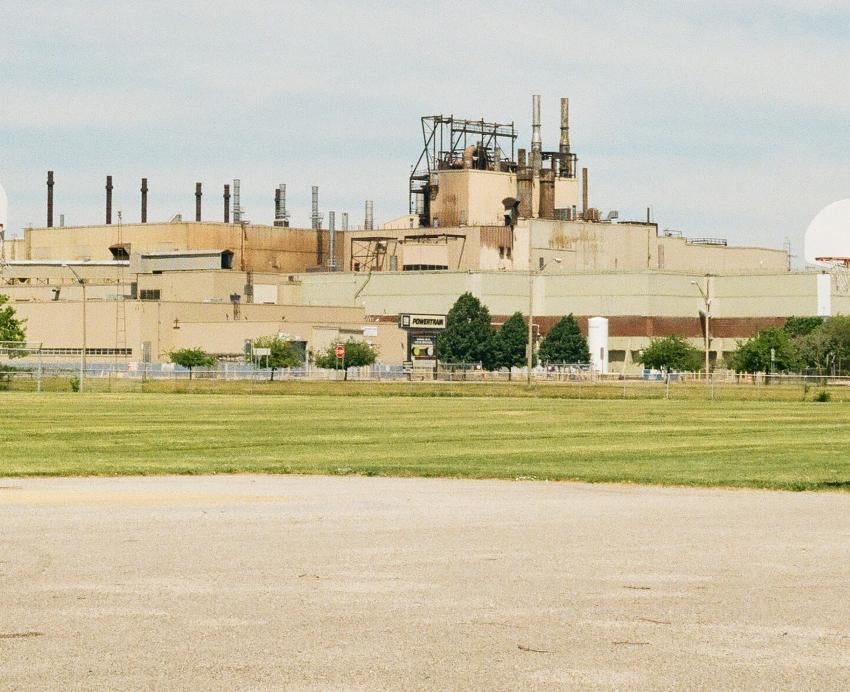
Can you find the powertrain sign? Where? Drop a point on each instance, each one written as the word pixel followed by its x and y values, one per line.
pixel 422 333
pixel 412 321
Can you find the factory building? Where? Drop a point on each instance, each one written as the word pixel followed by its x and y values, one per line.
pixel 484 216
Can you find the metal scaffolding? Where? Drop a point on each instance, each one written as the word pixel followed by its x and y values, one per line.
pixel 450 142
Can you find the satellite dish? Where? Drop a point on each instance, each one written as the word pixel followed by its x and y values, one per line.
pixel 828 235
pixel 4 208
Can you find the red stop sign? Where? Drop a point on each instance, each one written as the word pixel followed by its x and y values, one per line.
pixel 340 351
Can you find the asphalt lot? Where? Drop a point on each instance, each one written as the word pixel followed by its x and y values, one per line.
pixel 259 582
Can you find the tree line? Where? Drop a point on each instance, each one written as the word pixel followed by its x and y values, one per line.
pixel 802 343
pixel 469 338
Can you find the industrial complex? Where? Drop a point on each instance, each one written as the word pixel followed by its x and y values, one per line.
pixel 514 226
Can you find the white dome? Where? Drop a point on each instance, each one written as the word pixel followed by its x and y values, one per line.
pixel 828 235
pixel 4 208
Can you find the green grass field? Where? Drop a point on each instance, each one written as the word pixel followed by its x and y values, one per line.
pixel 789 445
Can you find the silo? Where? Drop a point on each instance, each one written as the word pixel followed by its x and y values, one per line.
pixel 597 343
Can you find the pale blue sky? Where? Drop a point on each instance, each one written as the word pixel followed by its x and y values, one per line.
pixel 728 118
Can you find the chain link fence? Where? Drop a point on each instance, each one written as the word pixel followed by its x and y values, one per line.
pixel 22 369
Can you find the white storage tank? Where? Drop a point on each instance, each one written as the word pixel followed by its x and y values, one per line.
pixel 597 343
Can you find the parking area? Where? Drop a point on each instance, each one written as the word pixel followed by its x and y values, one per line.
pixel 250 581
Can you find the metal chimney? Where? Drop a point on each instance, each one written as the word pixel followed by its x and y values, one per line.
pixel 564 145
pixel 316 222
pixel 198 195
pixel 536 141
pixel 144 200
pixel 584 193
pixel 345 221
pixel 227 204
pixel 109 199
pixel 369 221
pixel 50 199
pixel 237 209
pixel 280 215
pixel 331 240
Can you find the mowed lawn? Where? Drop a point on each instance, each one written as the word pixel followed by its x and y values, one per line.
pixel 791 445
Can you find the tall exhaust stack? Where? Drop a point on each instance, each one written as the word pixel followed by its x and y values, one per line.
pixel 369 221
pixel 198 195
pixel 345 221
pixel 564 145
pixel 277 206
pixel 108 199
pixel 50 199
pixel 280 215
pixel 144 190
pixel 314 217
pixel 237 209
pixel 584 206
pixel 536 141
pixel 331 240
pixel 227 204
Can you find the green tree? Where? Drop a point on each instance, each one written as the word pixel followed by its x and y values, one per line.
pixel 754 355
pixel 357 354
pixel 11 328
pixel 828 346
pixel 283 354
pixel 564 343
pixel 468 336
pixel 510 342
pixel 801 326
pixel 192 358
pixel 672 352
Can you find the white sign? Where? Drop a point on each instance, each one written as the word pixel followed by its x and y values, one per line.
pixel 262 351
pixel 410 321
pixel 370 331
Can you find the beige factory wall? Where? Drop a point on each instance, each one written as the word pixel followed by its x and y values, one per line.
pixel 256 248
pixel 15 248
pixel 604 294
pixel 566 193
pixel 472 196
pixel 584 247
pixel 168 326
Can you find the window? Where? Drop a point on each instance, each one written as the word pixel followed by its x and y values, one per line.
pixel 149 294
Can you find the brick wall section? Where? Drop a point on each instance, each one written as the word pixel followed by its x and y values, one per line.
pixel 638 326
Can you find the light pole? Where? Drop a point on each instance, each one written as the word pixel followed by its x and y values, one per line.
pixel 531 276
pixel 82 282
pixel 706 299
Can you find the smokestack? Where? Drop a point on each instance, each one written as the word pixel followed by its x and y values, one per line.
pixel 277 206
pixel 314 218
pixel 331 240
pixel 108 199
pixel 50 199
pixel 369 221
pixel 237 209
pixel 227 204
pixel 564 145
pixel 284 215
pixel 345 221
pixel 61 221
pixel 536 141
pixel 584 193
pixel 198 195
pixel 144 200
pixel 520 159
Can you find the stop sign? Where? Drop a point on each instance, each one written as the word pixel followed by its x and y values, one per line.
pixel 340 351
